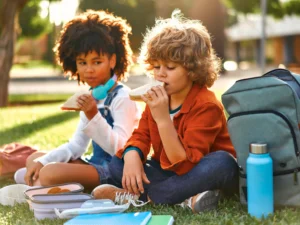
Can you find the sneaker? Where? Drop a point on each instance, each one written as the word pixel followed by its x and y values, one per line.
pixel 20 175
pixel 205 201
pixel 118 195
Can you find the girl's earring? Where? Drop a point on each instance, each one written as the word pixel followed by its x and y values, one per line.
pixel 112 72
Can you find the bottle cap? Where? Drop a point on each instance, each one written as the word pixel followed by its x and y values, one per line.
pixel 256 148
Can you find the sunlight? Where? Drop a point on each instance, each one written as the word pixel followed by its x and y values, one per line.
pixel 44 9
pixel 230 65
pixel 60 12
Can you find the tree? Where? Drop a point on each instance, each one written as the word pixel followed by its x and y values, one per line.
pixel 210 12
pixel 32 25
pixel 138 13
pixel 13 23
pixel 8 16
pixel 275 8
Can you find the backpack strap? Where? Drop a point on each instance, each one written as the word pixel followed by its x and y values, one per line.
pixel 293 80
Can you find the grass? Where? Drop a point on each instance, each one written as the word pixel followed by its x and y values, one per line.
pixel 30 64
pixel 30 99
pixel 46 127
pixel 24 99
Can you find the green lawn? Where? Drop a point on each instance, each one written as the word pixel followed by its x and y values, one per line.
pixel 19 99
pixel 31 64
pixel 46 127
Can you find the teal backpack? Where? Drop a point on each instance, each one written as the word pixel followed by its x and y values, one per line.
pixel 266 109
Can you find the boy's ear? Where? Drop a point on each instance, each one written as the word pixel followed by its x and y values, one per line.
pixel 113 61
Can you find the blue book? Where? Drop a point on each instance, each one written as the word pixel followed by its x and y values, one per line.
pixel 134 218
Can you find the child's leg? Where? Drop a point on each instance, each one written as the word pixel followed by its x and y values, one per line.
pixel 217 170
pixel 115 168
pixel 152 169
pixel 20 173
pixel 114 176
pixel 29 163
pixel 58 173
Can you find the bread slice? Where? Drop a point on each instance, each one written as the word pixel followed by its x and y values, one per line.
pixel 136 93
pixel 71 103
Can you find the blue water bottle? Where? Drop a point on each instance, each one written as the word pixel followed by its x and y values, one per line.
pixel 259 181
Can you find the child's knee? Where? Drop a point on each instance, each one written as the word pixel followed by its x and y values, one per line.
pixel 225 157
pixel 47 175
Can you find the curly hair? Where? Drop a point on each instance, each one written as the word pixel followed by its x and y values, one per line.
pixel 182 41
pixel 98 31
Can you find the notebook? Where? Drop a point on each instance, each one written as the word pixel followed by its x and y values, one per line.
pixel 134 218
pixel 161 220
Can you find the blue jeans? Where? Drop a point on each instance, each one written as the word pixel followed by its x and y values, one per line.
pixel 217 170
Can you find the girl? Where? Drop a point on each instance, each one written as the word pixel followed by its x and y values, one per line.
pixel 94 48
pixel 184 122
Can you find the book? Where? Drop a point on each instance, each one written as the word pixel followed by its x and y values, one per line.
pixel 161 220
pixel 133 218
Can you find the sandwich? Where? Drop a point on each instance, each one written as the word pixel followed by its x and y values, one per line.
pixel 136 93
pixel 71 103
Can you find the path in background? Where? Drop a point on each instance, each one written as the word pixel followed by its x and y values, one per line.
pixel 24 81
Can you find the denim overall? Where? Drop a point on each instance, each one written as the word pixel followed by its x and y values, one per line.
pixel 100 157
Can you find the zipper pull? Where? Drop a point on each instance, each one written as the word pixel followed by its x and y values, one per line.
pixel 296 177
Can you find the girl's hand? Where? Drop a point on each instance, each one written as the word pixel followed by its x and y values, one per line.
pixel 88 105
pixel 32 173
pixel 158 102
pixel 133 173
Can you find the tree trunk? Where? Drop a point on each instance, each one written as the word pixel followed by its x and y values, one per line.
pixel 161 9
pixel 212 14
pixel 9 15
pixel 164 8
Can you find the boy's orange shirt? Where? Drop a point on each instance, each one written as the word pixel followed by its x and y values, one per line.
pixel 201 127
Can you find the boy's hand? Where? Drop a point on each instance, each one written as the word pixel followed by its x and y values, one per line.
pixel 88 105
pixel 32 173
pixel 158 102
pixel 133 173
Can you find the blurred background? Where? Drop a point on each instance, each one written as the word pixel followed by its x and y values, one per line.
pixel 251 37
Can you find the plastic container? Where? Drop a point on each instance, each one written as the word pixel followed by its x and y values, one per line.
pixel 73 187
pixel 259 167
pixel 44 205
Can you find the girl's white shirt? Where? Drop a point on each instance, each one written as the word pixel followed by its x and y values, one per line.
pixel 126 116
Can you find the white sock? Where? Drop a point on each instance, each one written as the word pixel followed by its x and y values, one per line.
pixel 20 175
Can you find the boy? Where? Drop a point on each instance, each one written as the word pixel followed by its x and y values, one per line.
pixel 183 121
